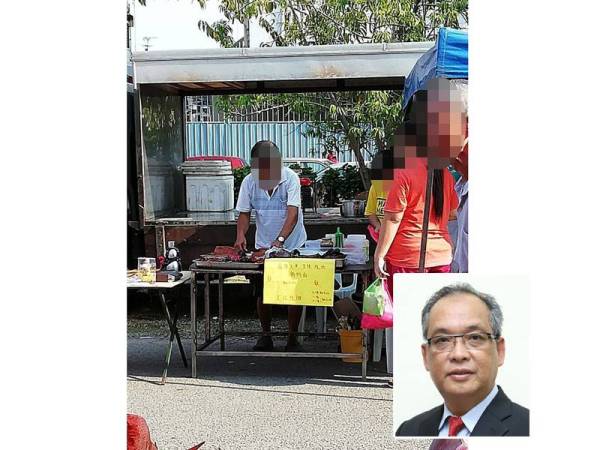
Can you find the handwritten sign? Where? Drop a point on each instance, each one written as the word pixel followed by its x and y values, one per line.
pixel 299 281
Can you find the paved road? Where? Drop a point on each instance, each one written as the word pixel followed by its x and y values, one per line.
pixel 261 403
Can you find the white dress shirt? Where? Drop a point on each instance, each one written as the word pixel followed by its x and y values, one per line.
pixel 470 419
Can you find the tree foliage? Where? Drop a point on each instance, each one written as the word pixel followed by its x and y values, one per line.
pixel 323 22
pixel 342 120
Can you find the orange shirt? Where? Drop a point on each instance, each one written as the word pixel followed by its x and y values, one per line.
pixel 407 196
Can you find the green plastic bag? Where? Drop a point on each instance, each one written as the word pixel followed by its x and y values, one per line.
pixel 374 299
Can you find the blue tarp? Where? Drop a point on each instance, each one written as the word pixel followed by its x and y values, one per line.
pixel 448 58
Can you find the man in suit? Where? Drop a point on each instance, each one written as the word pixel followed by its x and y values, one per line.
pixel 463 349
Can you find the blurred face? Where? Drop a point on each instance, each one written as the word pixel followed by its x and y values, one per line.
pixel 382 170
pixel 266 168
pixel 461 162
pixel 446 123
pixel 406 152
pixel 462 376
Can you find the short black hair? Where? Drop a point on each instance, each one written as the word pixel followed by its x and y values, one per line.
pixel 263 148
pixel 382 165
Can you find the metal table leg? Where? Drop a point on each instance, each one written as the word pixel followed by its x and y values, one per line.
pixel 174 333
pixel 193 290
pixel 221 318
pixel 365 355
pixel 172 321
pixel 206 307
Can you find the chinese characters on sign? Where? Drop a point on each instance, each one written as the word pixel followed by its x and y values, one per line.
pixel 299 281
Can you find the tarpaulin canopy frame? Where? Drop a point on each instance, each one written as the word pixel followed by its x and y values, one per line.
pixel 448 58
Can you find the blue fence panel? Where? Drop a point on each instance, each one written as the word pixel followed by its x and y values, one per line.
pixel 237 139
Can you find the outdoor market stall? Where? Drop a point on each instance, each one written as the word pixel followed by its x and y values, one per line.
pixel 162 80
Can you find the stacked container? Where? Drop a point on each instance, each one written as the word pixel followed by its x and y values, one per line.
pixel 356 246
pixel 209 185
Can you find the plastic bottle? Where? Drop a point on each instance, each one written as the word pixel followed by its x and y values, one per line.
pixel 339 239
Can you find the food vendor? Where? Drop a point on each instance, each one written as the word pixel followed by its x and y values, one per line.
pixel 273 192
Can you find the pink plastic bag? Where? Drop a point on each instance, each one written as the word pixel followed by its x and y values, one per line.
pixel 386 320
pixel 374 234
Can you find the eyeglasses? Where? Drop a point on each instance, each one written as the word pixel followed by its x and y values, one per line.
pixel 472 341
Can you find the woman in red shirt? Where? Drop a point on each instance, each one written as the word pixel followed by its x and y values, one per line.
pixel 438 122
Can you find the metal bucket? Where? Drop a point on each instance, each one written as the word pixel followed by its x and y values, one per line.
pixel 352 208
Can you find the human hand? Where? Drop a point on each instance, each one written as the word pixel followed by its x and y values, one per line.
pixel 276 243
pixel 379 267
pixel 240 243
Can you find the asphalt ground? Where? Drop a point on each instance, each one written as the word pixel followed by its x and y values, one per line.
pixel 258 403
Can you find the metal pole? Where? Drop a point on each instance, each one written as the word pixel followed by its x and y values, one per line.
pixel 221 313
pixel 365 355
pixel 206 307
pixel 246 33
pixel 163 302
pixel 160 240
pixel 426 212
pixel 193 319
pixel 176 330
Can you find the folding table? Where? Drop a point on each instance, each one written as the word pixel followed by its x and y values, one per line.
pixel 161 288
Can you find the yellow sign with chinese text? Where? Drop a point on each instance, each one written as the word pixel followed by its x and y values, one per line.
pixel 299 281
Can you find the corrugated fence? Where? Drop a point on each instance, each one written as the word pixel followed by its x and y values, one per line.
pixel 237 139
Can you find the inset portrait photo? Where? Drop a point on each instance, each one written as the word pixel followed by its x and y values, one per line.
pixel 461 355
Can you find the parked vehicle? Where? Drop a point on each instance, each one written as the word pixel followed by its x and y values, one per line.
pixel 317 165
pixel 309 170
pixel 341 165
pixel 236 162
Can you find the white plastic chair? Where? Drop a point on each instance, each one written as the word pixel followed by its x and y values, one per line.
pixel 345 291
pixel 321 311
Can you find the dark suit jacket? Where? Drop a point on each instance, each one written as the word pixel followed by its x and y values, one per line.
pixel 501 418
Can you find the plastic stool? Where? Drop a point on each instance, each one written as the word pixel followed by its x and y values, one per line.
pixel 341 292
pixel 389 345
pixel 321 311
pixel 389 349
pixel 345 291
pixel 377 344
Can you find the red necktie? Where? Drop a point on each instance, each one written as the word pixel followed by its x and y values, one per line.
pixel 455 424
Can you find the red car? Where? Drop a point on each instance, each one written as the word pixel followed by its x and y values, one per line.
pixel 236 162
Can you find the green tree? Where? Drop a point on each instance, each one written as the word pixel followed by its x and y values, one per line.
pixel 341 120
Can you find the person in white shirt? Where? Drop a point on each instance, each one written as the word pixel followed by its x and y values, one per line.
pixel 273 193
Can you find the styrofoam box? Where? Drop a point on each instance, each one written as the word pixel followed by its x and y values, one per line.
pixel 209 193
pixel 358 243
pixel 359 237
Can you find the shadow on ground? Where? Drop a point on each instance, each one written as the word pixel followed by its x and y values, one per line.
pixel 146 359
